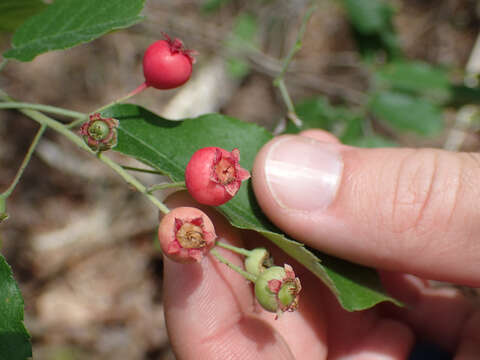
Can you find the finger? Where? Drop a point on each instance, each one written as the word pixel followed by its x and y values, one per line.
pixel 211 311
pixel 320 135
pixel 201 306
pixel 414 211
pixel 437 314
pixel 387 340
pixel 469 348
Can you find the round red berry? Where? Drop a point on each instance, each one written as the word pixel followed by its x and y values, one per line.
pixel 186 234
pixel 214 175
pixel 167 64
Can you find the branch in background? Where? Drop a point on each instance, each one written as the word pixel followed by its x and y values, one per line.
pixel 4 196
pixel 279 81
pixel 262 62
pixel 466 114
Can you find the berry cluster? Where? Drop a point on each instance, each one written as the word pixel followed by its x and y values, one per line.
pixel 213 176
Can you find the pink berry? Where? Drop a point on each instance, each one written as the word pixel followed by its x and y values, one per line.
pixel 213 175
pixel 167 64
pixel 186 234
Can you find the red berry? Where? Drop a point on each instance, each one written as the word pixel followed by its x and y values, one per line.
pixel 167 64
pixel 186 234
pixel 213 175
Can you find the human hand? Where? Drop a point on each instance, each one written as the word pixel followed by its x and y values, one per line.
pixel 399 210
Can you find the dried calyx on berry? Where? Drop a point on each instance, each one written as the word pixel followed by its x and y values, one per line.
pixel 186 234
pixel 100 133
pixel 277 289
pixel 213 175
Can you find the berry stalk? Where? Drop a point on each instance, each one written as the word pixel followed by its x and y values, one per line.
pixel 235 249
pixel 44 108
pixel 156 187
pixel 42 119
pixel 245 274
pixel 136 91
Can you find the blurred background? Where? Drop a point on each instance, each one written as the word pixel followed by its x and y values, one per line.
pixel 82 244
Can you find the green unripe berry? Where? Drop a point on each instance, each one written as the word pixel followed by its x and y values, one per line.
pixel 267 298
pixel 277 289
pixel 98 130
pixel 258 260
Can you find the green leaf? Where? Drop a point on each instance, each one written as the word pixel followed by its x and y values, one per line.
pixel 369 16
pixel 14 338
pixel 14 12
pixel 373 27
pixel 213 5
pixel 317 113
pixel 168 145
pixel 354 135
pixel 67 23
pixel 407 113
pixel 415 77
pixel 240 41
pixel 462 95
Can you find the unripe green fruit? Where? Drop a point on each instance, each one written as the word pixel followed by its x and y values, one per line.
pixel 258 260
pixel 264 295
pixel 277 289
pixel 98 130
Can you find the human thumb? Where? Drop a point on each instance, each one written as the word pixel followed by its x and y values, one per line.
pixel 408 210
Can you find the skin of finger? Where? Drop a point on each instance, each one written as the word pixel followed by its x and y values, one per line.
pixel 320 135
pixel 469 348
pixel 437 314
pixel 387 340
pixel 211 311
pixel 392 204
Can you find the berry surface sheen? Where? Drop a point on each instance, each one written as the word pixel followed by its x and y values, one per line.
pixel 166 64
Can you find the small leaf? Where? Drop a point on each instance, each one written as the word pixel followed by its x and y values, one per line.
pixel 239 42
pixel 67 23
pixel 168 145
pixel 415 77
pixel 317 113
pixel 463 95
pixel 14 338
pixel 407 113
pixel 369 16
pixel 14 12
pixel 354 135
pixel 372 22
pixel 213 5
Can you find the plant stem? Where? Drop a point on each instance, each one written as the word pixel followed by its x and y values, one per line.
pixel 180 184
pixel 149 171
pixel 55 125
pixel 134 182
pixel 44 108
pixel 280 79
pixel 245 274
pixel 138 90
pixel 25 161
pixel 235 249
